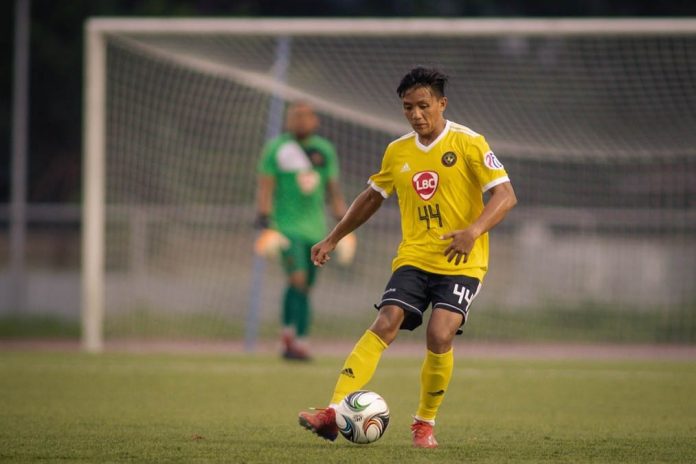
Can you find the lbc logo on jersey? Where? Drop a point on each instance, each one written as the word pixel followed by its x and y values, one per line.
pixel 425 183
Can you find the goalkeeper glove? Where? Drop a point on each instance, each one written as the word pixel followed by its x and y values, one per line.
pixel 270 243
pixel 345 249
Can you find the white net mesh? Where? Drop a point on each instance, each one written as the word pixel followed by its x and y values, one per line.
pixel 597 133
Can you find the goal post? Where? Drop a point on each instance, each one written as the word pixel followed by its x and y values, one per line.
pixel 273 128
pixel 593 118
pixel 94 195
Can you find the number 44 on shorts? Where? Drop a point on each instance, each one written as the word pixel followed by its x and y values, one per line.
pixel 463 293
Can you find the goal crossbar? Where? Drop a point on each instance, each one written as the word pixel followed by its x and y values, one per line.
pixel 388 27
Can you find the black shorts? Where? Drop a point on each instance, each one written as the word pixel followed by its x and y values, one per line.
pixel 413 289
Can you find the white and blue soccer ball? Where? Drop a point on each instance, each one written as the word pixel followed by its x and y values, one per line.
pixel 362 417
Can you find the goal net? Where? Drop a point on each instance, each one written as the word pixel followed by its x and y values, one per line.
pixel 594 120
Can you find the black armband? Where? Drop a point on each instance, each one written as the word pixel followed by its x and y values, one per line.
pixel 263 221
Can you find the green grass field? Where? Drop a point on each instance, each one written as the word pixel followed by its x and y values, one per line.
pixel 587 323
pixel 71 407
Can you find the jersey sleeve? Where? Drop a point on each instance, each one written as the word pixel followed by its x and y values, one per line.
pixel 267 164
pixel 487 169
pixel 383 181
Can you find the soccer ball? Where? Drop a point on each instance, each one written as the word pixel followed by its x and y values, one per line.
pixel 362 417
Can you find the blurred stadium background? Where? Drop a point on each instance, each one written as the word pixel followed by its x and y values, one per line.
pixel 595 129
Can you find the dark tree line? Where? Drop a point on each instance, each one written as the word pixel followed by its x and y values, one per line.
pixel 55 122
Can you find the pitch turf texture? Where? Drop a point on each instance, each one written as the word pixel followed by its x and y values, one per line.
pixel 71 407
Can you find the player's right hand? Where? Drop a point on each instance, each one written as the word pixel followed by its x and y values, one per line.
pixel 460 246
pixel 320 252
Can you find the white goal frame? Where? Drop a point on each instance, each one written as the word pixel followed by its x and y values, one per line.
pixel 94 151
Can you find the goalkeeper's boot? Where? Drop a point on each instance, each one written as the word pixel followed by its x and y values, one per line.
pixel 322 423
pixel 423 434
pixel 297 354
pixel 298 351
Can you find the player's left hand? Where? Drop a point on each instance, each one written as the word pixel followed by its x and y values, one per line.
pixel 460 247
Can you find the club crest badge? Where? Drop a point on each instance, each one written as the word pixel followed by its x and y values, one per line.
pixel 425 183
pixel 316 158
pixel 449 158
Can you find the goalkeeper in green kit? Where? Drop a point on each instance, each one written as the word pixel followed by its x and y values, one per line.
pixel 297 174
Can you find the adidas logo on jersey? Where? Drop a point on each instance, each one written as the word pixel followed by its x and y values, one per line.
pixel 348 372
pixel 406 168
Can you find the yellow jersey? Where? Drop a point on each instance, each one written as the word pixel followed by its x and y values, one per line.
pixel 440 189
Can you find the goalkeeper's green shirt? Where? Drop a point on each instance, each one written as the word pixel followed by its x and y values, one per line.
pixel 301 171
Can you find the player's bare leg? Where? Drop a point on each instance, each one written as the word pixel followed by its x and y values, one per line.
pixel 442 328
pixel 386 325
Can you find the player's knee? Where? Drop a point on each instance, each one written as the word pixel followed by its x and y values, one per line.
pixel 388 322
pixel 298 281
pixel 439 344
pixel 439 339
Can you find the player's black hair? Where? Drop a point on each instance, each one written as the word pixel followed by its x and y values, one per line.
pixel 423 77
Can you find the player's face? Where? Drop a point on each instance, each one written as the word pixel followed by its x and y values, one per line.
pixel 301 120
pixel 424 110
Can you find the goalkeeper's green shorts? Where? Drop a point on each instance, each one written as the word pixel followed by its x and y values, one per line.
pixel 298 258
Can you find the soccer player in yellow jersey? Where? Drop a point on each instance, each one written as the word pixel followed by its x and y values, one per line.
pixel 439 173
